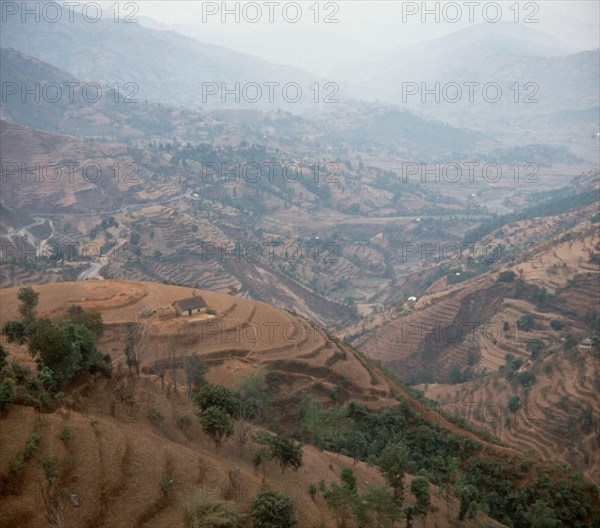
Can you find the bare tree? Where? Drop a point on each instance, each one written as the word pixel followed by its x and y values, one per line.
pixel 194 368
pixel 138 344
pixel 241 433
pixel 173 364
pixel 160 369
pixel 54 497
pixel 55 503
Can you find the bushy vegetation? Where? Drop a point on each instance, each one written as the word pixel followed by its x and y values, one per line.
pixel 506 276
pixel 535 347
pixel 63 349
pixel 286 451
pixel 402 441
pixel 273 510
pixel 526 322
pixel 12 481
pixel 203 512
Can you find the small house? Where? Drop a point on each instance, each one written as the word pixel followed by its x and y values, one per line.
pixel 586 344
pixel 190 306
pixel 411 301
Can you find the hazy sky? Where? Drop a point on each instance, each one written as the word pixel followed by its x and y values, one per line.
pixel 360 27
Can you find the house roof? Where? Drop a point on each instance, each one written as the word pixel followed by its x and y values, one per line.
pixel 191 303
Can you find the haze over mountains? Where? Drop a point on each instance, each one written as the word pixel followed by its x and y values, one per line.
pixel 384 280
pixel 538 75
pixel 165 66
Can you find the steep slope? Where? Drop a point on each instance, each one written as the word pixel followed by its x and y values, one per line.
pixel 167 67
pixel 468 345
pixel 113 437
pixel 557 417
pixel 120 439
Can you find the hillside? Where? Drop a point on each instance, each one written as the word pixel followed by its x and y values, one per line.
pixel 168 67
pixel 557 416
pixel 158 214
pixel 116 426
pixel 457 338
pixel 286 267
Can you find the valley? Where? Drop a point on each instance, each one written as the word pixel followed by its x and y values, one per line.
pixel 368 300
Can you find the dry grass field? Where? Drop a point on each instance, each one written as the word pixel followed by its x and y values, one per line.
pixel 474 324
pixel 118 455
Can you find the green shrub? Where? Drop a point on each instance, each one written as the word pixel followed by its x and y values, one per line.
pixel 66 435
pixel 218 396
pixel 16 465
pixel 31 445
pixel 3 356
pixel 155 415
pixel 165 485
pixel 506 276
pixel 526 378
pixel 273 510
pixel 526 322
pixel 7 393
pixel 14 331
pixel 535 347
pixel 22 373
pixel 202 512
pixel 217 424
pixel 50 464
pixel 513 404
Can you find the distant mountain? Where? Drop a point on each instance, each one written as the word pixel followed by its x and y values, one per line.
pixel 363 125
pixel 166 66
pixel 370 124
pixel 472 51
pixel 314 50
pixel 536 74
pixel 54 111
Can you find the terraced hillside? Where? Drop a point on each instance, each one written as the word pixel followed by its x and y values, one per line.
pixel 120 439
pixel 472 350
pixel 114 443
pixel 555 275
pixel 558 417
pixel 50 174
